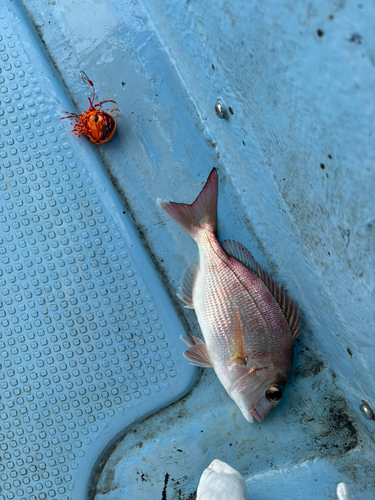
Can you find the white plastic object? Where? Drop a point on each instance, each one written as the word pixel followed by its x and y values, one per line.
pixel 221 481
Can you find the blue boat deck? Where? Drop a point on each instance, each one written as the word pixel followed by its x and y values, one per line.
pixel 296 180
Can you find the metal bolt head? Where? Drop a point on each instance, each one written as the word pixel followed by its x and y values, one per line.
pixel 366 410
pixel 221 110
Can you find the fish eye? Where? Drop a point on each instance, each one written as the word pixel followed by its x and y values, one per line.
pixel 274 393
pixel 96 118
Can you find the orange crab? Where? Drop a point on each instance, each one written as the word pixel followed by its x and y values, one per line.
pixel 95 123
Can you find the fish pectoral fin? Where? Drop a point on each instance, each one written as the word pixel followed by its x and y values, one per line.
pixel 197 353
pixel 240 253
pixel 238 361
pixel 238 348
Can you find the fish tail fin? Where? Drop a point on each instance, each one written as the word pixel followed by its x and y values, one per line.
pixel 200 214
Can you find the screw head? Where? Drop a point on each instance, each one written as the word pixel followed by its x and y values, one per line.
pixel 366 410
pixel 221 110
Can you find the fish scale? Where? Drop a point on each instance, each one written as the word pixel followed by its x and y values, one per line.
pixel 220 287
pixel 247 325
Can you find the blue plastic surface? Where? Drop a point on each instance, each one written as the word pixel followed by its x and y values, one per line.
pixel 89 340
pixel 295 162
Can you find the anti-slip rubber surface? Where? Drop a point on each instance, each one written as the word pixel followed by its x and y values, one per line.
pixel 88 339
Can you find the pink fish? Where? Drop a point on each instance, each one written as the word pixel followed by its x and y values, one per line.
pixel 247 322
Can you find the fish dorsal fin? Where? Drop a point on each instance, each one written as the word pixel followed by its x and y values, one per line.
pixel 240 253
pixel 187 285
pixel 197 353
pixel 238 349
pixel 243 255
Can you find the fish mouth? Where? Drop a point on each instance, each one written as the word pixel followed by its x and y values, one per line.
pixel 256 415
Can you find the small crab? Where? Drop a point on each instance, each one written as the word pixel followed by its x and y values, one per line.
pixel 97 124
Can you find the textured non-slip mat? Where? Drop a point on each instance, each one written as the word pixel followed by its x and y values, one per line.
pixel 89 341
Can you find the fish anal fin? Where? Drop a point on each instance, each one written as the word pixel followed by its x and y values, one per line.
pixel 187 285
pixel 197 353
pixel 238 251
pixel 187 305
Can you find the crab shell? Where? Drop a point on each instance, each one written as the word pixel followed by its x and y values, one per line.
pixel 95 124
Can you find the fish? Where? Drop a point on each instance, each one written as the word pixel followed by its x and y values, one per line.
pixel 247 321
